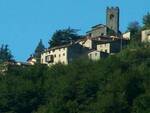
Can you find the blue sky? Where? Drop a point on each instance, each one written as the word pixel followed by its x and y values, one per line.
pixel 24 22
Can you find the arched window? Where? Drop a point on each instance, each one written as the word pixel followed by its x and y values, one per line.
pixel 111 16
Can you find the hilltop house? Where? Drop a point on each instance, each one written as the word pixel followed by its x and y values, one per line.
pixel 31 60
pixel 63 54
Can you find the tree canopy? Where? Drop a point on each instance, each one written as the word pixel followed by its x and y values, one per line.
pixel 5 53
pixel 146 21
pixel 39 49
pixel 118 84
pixel 135 30
pixel 64 36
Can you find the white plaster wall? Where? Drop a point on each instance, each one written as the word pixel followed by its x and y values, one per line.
pixel 87 43
pixel 145 36
pixel 104 47
pixel 127 35
pixel 60 56
pixel 95 55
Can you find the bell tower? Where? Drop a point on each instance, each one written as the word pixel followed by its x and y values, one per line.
pixel 112 18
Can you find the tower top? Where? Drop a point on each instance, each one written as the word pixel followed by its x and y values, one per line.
pixel 113 8
pixel 112 18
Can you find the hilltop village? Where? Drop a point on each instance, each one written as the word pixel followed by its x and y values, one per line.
pixel 100 42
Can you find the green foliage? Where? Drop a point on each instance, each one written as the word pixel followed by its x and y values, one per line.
pixel 39 49
pixel 146 21
pixel 5 53
pixel 135 30
pixel 118 84
pixel 63 36
pixel 142 104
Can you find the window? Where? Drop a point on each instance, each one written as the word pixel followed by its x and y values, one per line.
pixel 49 58
pixel 111 16
pixel 53 50
pixel 55 55
pixel 106 50
pixel 63 54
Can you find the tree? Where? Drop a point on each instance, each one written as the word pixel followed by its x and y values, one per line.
pixel 64 36
pixel 5 53
pixel 39 49
pixel 135 30
pixel 142 104
pixel 146 21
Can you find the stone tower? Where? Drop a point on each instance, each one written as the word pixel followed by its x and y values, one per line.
pixel 112 19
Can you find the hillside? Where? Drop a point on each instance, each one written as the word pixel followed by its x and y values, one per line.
pixel 118 84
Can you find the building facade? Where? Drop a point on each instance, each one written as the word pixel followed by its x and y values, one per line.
pixel 97 55
pixel 111 27
pixel 63 54
pixel 97 30
pixel 145 36
pixel 31 60
pixel 112 18
pixel 127 35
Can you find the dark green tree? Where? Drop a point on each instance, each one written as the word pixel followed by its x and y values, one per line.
pixel 5 53
pixel 135 30
pixel 142 104
pixel 64 36
pixel 39 49
pixel 146 21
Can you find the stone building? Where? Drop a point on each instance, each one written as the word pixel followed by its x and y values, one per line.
pixel 63 54
pixel 145 36
pixel 111 27
pixel 112 19
pixel 106 44
pixel 126 35
pixel 31 60
pixel 112 47
pixel 99 42
pixel 97 55
pixel 98 30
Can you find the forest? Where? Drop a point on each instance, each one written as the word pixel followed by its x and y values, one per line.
pixel 117 84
